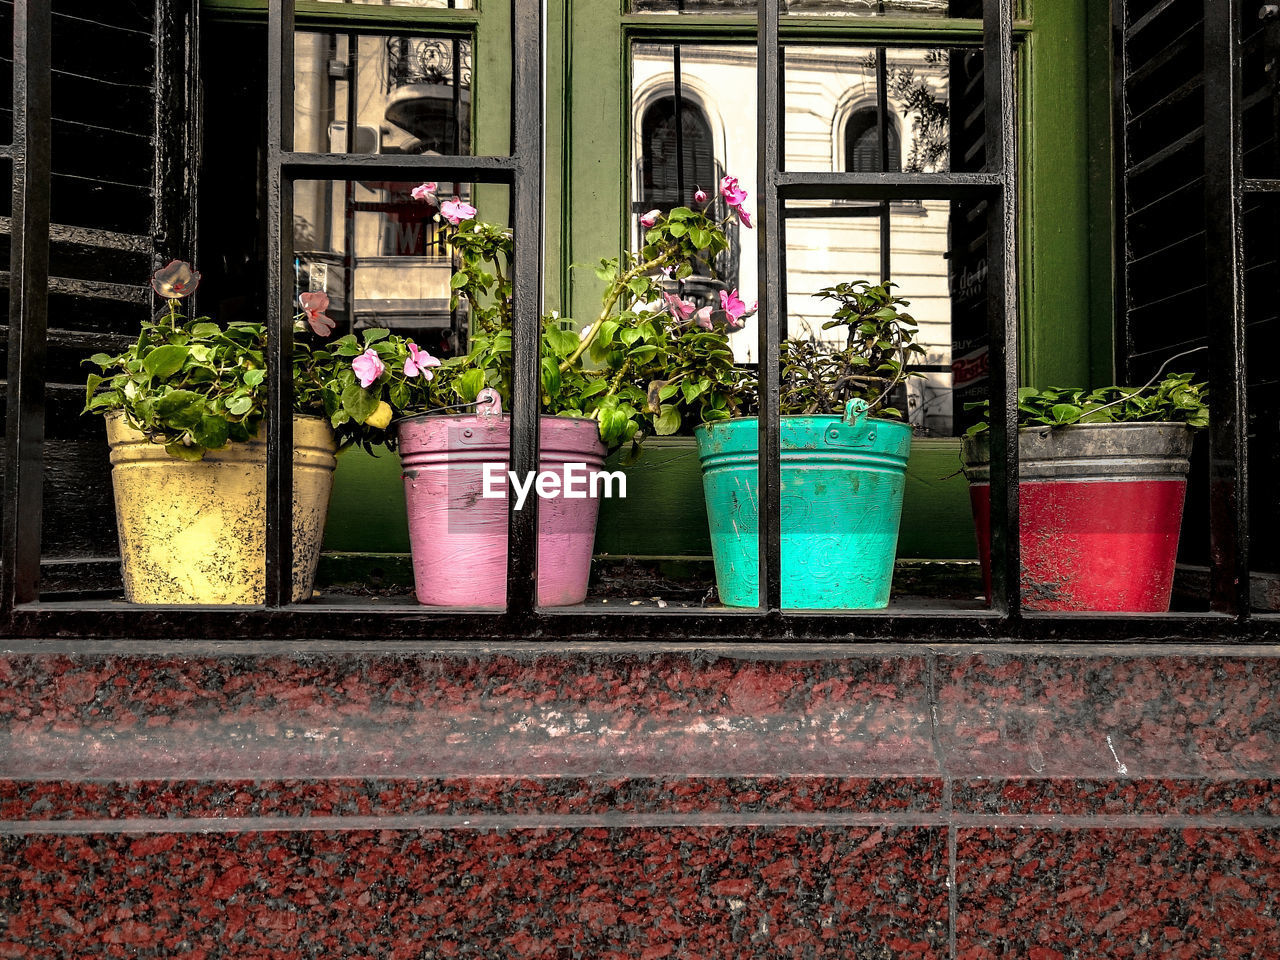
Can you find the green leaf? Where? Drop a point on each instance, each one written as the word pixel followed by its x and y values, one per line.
pixel 643 353
pixel 174 401
pixel 165 361
pixel 102 360
pixel 359 403
pixel 253 378
pixel 458 281
pixel 469 384
pixel 550 376
pixel 668 422
pixel 211 433
pixel 239 406
pixel 181 451
pixel 91 384
pixel 203 330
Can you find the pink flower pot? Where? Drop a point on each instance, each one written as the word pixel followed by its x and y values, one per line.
pixel 458 535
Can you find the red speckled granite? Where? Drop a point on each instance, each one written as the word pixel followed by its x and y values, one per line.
pixel 1184 894
pixel 250 802
pixel 709 892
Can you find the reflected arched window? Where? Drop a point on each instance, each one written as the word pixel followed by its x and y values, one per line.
pixel 659 182
pixel 862 144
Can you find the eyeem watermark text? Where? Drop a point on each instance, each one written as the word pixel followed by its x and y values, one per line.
pixel 577 483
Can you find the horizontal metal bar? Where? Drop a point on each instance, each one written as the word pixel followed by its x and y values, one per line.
pixel 311 13
pixel 107 620
pixel 1262 185
pixel 880 31
pixel 363 166
pixel 6 153
pixel 842 185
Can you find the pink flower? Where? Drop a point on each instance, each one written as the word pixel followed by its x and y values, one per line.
pixel 699 196
pixel 679 309
pixel 731 305
pixel 175 280
pixel 651 218
pixel 455 211
pixel 419 362
pixel 733 194
pixel 424 191
pixel 368 367
pixel 745 217
pixel 313 306
pixel 704 318
pixel 735 310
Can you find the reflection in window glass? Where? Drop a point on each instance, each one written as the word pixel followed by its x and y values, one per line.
pixel 412 94
pixel 397 276
pixel 422 4
pixel 716 137
pixel 852 8
pixel 832 97
pixel 936 252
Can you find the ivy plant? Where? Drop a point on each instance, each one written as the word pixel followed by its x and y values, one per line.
pixel 1175 399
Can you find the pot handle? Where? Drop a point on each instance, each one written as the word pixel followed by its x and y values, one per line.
pixel 488 403
pixel 853 430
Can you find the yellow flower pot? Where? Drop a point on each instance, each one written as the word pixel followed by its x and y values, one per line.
pixel 195 531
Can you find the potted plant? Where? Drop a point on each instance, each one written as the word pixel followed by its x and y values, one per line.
pixel 184 408
pixel 844 451
pixel 453 435
pixel 1102 479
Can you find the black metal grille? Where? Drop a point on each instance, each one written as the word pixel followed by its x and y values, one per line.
pixel 522 172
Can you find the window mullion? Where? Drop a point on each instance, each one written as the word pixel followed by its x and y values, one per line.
pixel 1002 305
pixel 28 302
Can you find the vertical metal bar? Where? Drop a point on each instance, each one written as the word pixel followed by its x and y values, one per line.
pixel 1002 304
pixel 457 96
pixel 679 111
pixel 882 137
pixel 1224 226
pixel 349 186
pixel 526 294
pixel 771 253
pixel 280 291
pixel 175 182
pixel 1119 152
pixel 28 304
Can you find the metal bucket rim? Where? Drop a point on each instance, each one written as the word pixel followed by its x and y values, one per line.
pixel 436 417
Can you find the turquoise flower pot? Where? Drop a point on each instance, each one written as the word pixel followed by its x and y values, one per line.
pixel 842 485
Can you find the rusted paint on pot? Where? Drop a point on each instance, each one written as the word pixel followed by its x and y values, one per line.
pixel 195 532
pixel 1101 511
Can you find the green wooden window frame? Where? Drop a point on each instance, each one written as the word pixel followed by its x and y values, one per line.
pixel 1066 175
pixel 1065 116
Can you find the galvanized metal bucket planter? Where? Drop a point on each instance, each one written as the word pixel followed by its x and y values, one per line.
pixel 194 532
pixel 842 485
pixel 458 535
pixel 1101 509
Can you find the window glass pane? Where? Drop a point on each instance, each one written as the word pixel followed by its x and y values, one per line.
pixel 862 8
pixel 933 101
pixel 421 4
pixel 412 94
pixel 397 273
pixel 716 137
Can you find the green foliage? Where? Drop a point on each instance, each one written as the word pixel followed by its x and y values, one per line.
pixel 1175 399
pixel 879 345
pixel 195 385
pixel 602 373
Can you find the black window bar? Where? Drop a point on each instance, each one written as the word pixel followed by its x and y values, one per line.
pixel 1229 622
pixel 999 187
pixel 521 171
pixel 1224 274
